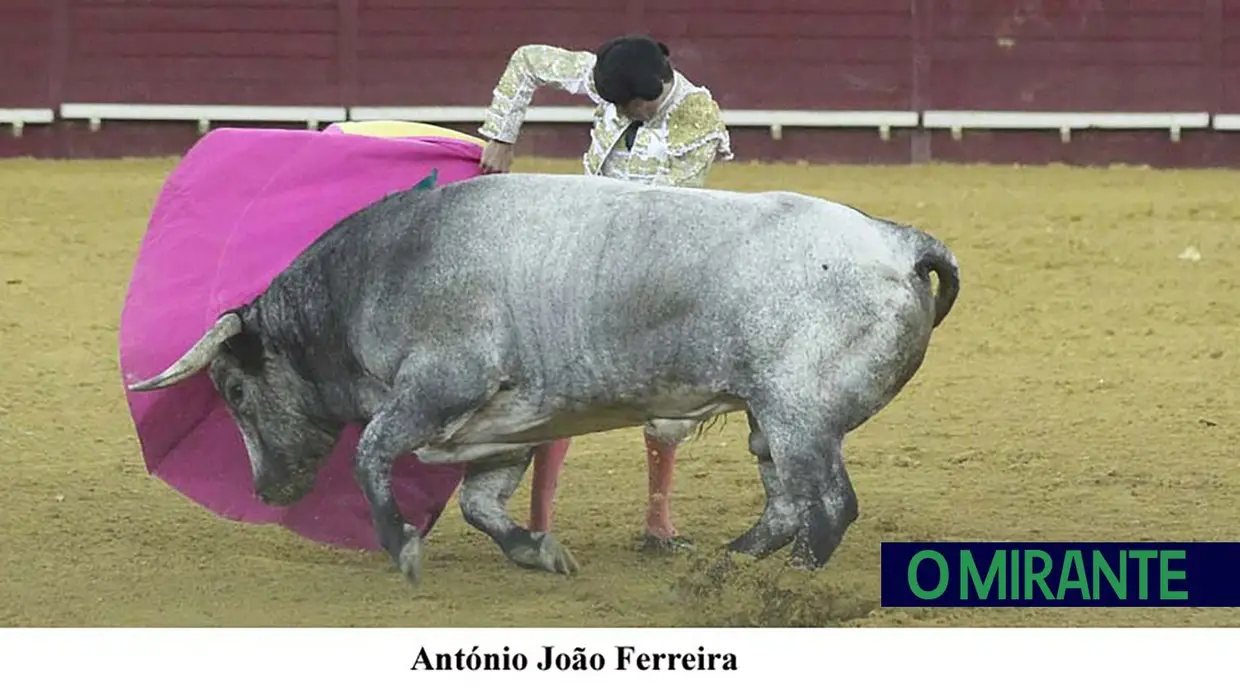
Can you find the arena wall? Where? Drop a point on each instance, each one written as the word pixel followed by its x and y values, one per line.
pixel 886 81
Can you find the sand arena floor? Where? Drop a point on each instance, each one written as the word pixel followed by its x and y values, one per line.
pixel 1083 388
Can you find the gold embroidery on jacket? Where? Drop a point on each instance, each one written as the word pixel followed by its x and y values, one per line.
pixel 677 147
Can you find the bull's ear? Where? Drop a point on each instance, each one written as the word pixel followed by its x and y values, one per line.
pixel 247 345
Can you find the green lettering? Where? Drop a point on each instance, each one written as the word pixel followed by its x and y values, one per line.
pixel 1038 577
pixel 1073 562
pixel 1102 568
pixel 944 576
pixel 1143 571
pixel 1015 585
pixel 1166 574
pixel 969 575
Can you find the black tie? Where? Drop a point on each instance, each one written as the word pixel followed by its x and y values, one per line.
pixel 630 134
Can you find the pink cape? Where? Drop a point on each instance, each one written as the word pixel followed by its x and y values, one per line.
pixel 233 214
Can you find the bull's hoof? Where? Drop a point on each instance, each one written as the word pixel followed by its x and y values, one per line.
pixel 666 545
pixel 803 561
pixel 815 542
pixel 542 552
pixel 411 556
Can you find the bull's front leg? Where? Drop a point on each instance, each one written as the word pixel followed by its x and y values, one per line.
pixel 484 496
pixel 435 386
pixel 404 425
pixel 386 436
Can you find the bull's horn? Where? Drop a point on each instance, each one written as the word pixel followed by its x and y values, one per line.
pixel 197 357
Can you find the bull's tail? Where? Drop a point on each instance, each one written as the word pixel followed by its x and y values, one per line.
pixel 935 256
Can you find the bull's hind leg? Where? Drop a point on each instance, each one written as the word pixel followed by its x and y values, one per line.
pixel 809 497
pixel 484 496
pixel 798 427
pixel 778 522
pixel 831 505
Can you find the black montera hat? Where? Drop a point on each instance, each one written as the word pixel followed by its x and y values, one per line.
pixel 631 67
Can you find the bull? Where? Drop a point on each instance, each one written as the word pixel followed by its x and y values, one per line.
pixel 471 322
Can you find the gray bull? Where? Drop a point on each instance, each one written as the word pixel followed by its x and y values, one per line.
pixel 469 323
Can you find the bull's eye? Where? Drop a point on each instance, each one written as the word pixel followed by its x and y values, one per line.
pixel 235 393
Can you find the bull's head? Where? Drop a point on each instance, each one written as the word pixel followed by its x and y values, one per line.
pixel 273 406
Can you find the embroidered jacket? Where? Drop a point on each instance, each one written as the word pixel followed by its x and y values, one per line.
pixel 677 147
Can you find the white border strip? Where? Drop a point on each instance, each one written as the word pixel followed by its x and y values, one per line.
pixel 18 118
pixel 1069 119
pixel 1227 122
pixel 1064 121
pixel 204 114
pixel 731 117
pixel 775 120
